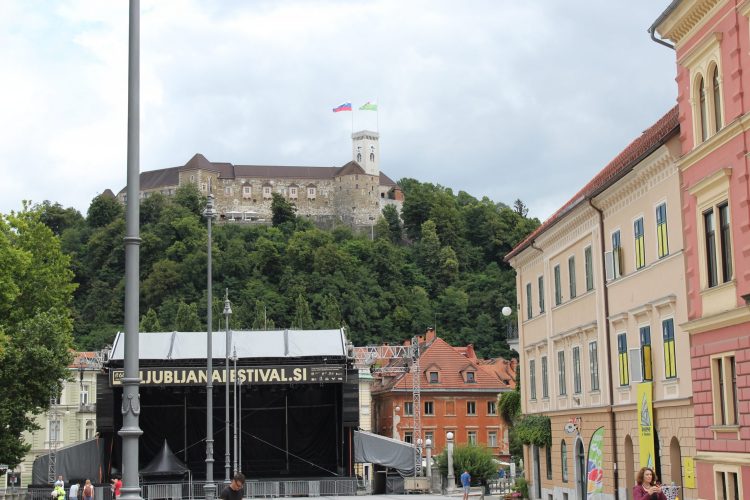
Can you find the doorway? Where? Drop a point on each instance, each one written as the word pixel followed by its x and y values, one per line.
pixel 537 473
pixel 629 468
pixel 675 463
pixel 580 470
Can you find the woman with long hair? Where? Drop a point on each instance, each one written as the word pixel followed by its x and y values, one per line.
pixel 648 487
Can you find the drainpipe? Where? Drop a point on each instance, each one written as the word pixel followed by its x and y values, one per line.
pixel 659 20
pixel 608 350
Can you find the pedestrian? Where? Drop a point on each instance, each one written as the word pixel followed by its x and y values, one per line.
pixel 501 473
pixel 236 488
pixel 88 490
pixel 59 492
pixel 73 493
pixel 647 487
pixel 466 483
pixel 116 485
pixel 60 481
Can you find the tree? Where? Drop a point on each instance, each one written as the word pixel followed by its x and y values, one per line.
pixel 260 319
pixel 187 318
pixel 281 210
pixel 188 196
pixel 150 322
pixel 36 289
pixel 478 460
pixel 520 208
pixel 103 210
pixel 302 317
pixel 393 220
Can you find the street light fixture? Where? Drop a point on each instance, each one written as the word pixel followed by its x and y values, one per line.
pixel 210 488
pixel 395 422
pixel 451 475
pixel 228 346
pixel 428 449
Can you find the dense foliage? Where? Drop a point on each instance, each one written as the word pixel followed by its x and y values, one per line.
pixel 36 290
pixel 534 429
pixel 440 264
pixel 478 460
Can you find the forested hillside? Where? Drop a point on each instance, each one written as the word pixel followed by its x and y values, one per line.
pixel 441 265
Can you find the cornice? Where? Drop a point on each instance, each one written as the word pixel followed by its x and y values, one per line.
pixel 720 176
pixel 719 139
pixel 723 319
pixel 700 50
pixel 687 18
pixel 569 230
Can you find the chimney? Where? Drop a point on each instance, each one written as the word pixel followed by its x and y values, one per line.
pixel 430 334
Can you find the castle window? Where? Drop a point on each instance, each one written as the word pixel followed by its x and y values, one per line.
pixel 359 157
pixel 266 191
pixel 228 190
pixel 293 192
pixel 311 192
pixel 247 191
pixel 372 156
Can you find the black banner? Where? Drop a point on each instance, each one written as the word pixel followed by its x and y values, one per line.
pixel 248 375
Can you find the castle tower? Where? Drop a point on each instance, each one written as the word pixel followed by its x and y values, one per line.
pixel 366 151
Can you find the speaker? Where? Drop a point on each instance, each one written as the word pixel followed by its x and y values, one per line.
pixel 350 410
pixel 105 404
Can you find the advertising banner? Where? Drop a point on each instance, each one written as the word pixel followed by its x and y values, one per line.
pixel 645 418
pixel 595 467
pixel 250 375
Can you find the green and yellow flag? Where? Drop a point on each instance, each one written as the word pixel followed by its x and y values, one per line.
pixel 368 106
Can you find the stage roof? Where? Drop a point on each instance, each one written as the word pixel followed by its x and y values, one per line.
pixel 248 344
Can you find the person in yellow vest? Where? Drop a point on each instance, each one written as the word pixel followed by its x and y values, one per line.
pixel 58 493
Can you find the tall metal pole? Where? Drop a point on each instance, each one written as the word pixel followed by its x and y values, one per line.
pixel 234 409
pixel 131 404
pixel 210 487
pixel 228 346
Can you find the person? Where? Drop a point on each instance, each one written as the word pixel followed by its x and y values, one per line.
pixel 59 492
pixel 116 485
pixel 647 487
pixel 60 481
pixel 501 473
pixel 466 483
pixel 88 490
pixel 73 493
pixel 236 488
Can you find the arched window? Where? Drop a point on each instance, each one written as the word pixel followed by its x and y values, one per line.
pixel 372 156
pixel 717 97
pixel 702 111
pixel 359 157
pixel 564 460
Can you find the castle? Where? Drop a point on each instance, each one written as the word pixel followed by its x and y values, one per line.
pixel 353 194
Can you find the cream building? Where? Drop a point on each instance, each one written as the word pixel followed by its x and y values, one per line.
pixel 71 418
pixel 601 295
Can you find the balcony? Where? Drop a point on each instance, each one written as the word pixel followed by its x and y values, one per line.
pixel 87 408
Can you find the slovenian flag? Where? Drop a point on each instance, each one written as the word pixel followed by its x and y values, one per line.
pixel 347 106
pixel 368 106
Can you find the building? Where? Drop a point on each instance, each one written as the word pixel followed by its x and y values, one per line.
pixel 71 417
pixel 353 194
pixel 711 40
pixel 458 392
pixel 601 304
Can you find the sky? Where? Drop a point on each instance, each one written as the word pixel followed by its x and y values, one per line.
pixel 497 98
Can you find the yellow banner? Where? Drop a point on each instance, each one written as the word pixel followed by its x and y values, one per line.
pixel 645 418
pixel 688 472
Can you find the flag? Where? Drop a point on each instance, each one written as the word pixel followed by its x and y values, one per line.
pixel 368 106
pixel 347 106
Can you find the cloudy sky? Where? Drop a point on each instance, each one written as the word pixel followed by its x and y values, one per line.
pixel 498 98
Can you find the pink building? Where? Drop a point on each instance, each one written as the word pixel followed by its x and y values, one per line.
pixel 711 39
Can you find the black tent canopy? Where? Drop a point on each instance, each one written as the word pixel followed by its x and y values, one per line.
pixel 165 463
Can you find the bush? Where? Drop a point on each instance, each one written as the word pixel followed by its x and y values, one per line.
pixel 478 460
pixel 522 487
pixel 534 429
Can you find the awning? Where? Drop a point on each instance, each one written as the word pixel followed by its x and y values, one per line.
pixel 375 449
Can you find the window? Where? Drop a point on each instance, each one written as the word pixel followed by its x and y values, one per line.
pixel 616 255
pixel 429 408
pixel 558 289
pixel 491 408
pixel 703 111
pixel 670 363
pixel 84 394
pixel 548 459
pixel 622 358
pixel 408 437
pixel 293 192
pixel 724 382
pixel 717 259
pixel 594 366
pixel 528 300
pixel 717 98
pixel 589 262
pixel 55 430
pixel 545 382
pixel 311 192
pixel 434 378
pixel 540 286
pixel 572 276
pixel 266 191
pixel 472 437
pixel 645 334
pixel 727 485
pixel 430 436
pixel 532 379
pixel 726 247
pixel 576 370
pixel 228 190
pixel 661 230
pixel 470 378
pixel 561 373
pixel 450 407
pixel 564 460
pixel 409 407
pixel 471 407
pixel 710 234
pixel 89 431
pixel 492 439
pixel 247 191
pixel 640 250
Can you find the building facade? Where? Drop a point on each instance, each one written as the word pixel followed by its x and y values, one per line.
pixel 71 417
pixel 594 281
pixel 353 194
pixel 711 39
pixel 459 393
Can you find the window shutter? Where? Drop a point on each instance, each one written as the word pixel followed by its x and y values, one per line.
pixel 636 370
pixel 609 265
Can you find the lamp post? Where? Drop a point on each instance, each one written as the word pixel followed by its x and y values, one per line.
pixel 131 402
pixel 210 487
pixel 451 475
pixel 234 406
pixel 428 449
pixel 228 346
pixel 395 422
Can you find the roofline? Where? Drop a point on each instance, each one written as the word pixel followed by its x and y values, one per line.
pixel 652 29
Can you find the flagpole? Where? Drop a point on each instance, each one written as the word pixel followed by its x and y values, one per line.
pixel 352 119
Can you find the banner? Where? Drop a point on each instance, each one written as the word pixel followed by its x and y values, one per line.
pixel 645 418
pixel 257 375
pixel 688 472
pixel 595 467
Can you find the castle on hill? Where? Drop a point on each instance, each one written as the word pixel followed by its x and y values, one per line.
pixel 353 194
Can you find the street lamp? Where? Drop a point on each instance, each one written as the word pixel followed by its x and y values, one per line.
pixel 234 406
pixel 228 345
pixel 210 487
pixel 451 475
pixel 428 449
pixel 395 422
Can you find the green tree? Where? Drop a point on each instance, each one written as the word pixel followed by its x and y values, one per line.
pixel 281 210
pixel 261 320
pixel 330 313
pixel 188 196
pixel 302 318
pixel 103 210
pixel 478 460
pixel 150 322
pixel 36 289
pixel 187 319
pixel 393 221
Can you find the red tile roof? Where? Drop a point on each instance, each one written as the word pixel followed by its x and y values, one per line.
pixel 653 137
